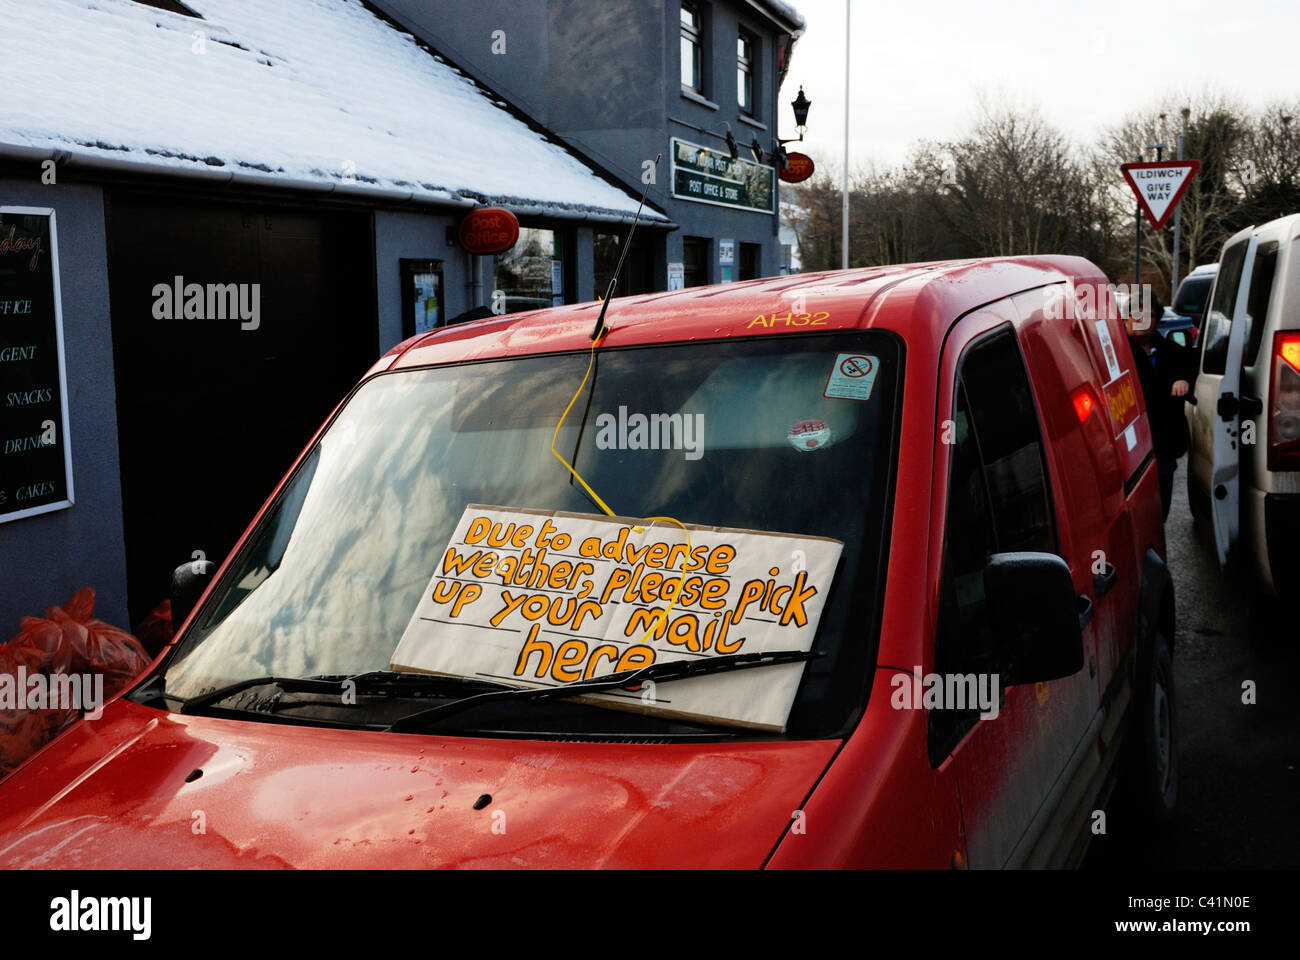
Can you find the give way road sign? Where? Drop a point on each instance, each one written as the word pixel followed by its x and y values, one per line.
pixel 1159 186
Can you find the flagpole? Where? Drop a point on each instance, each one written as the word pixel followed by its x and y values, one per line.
pixel 844 216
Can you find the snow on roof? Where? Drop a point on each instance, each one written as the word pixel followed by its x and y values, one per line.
pixel 321 91
pixel 785 12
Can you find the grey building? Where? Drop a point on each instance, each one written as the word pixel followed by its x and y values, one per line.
pixel 624 80
pixel 214 217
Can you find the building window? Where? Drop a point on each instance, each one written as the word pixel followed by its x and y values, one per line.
pixel 638 269
pixel 530 275
pixel 746 46
pixel 692 49
pixel 421 296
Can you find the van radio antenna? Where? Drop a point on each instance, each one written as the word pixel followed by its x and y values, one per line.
pixel 600 329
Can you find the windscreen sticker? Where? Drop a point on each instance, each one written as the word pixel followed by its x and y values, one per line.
pixel 808 435
pixel 543 599
pixel 852 377
pixel 1108 349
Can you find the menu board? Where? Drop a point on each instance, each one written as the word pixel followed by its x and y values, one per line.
pixel 35 458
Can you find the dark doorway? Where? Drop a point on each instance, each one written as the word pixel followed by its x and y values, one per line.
pixel 638 269
pixel 212 411
pixel 751 258
pixel 695 261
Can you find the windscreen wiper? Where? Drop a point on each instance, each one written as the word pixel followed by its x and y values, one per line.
pixel 371 682
pixel 658 672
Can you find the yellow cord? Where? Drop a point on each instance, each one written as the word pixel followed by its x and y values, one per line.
pixel 590 361
pixel 681 584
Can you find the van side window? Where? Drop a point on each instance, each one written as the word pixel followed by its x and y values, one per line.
pixel 1010 442
pixel 968 542
pixel 998 502
pixel 1218 317
pixel 1261 292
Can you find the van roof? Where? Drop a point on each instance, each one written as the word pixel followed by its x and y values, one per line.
pixel 917 300
pixel 1281 229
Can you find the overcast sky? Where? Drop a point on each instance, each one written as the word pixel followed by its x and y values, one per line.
pixel 919 66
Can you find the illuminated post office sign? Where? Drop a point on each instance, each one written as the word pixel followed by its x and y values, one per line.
pixel 488 230
pixel 798 168
pixel 708 176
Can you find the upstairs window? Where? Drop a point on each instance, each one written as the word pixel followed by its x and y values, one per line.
pixel 746 46
pixel 692 49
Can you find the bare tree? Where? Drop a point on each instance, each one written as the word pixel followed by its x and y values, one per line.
pixel 1015 185
pixel 1270 170
pixel 1014 179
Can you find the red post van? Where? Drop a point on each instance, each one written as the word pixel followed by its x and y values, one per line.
pixel 962 446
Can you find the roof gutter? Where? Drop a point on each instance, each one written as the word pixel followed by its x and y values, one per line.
pixel 783 15
pixel 223 176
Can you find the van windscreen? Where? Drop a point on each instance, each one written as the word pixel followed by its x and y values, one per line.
pixel 792 435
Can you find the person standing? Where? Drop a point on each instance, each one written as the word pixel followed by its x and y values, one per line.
pixel 1167 373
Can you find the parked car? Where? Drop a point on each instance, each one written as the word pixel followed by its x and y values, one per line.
pixel 1178 328
pixel 1193 293
pixel 1244 464
pixel 970 435
pixel 1182 320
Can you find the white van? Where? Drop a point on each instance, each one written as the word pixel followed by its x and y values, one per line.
pixel 1244 464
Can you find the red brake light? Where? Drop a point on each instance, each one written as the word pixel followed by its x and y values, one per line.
pixel 1082 403
pixel 1284 403
pixel 1288 348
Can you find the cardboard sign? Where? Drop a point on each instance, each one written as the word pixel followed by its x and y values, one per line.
pixel 1159 186
pixel 542 599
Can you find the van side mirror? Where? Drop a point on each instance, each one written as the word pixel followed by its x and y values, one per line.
pixel 1034 615
pixel 189 580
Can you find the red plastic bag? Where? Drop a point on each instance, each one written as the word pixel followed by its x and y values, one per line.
pixel 40 647
pixel 23 731
pixel 156 631
pixel 96 646
pixel 67 642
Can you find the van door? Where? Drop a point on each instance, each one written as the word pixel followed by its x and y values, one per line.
pixel 1094 457
pixel 1013 769
pixel 1214 462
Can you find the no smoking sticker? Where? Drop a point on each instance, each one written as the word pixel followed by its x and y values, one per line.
pixel 852 377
